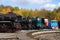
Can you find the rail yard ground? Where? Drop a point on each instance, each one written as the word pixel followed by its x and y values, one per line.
pixel 46 34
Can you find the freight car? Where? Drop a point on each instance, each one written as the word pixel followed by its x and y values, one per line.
pixel 40 23
pixel 53 24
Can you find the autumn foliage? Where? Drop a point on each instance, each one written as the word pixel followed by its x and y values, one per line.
pixel 55 14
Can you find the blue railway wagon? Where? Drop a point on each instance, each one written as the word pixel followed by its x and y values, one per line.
pixel 54 24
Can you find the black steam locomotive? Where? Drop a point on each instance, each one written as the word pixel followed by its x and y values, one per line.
pixel 8 22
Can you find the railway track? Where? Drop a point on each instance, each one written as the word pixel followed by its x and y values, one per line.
pixel 45 35
pixel 9 39
pixel 32 35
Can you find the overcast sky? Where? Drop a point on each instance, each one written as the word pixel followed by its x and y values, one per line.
pixel 32 4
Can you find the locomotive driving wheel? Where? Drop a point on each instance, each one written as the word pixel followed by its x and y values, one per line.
pixel 9 30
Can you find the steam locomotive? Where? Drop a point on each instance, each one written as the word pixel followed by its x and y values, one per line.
pixel 8 22
pixel 11 23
